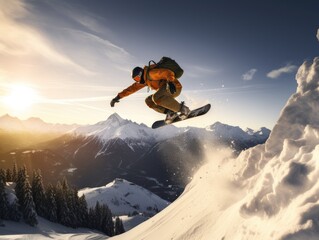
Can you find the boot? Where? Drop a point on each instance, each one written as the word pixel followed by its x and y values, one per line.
pixel 170 116
pixel 184 111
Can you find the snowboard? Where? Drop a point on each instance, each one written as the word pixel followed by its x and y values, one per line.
pixel 194 113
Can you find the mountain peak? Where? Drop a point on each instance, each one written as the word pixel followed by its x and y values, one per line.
pixel 11 123
pixel 221 127
pixel 35 120
pixel 33 124
pixel 8 117
pixel 115 118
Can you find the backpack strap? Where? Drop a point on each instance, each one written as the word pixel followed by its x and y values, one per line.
pixel 149 68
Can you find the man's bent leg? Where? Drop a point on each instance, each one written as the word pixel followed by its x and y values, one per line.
pixel 149 102
pixel 167 100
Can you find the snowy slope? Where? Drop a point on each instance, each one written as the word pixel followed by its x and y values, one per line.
pixel 269 192
pixel 124 198
pixel 46 230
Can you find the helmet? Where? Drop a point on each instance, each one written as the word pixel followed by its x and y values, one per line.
pixel 137 73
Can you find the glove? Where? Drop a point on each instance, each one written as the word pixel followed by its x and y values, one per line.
pixel 171 87
pixel 115 100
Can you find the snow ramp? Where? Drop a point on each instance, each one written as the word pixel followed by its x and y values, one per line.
pixel 270 191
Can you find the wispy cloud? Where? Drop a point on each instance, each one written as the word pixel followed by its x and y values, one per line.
pixel 111 50
pixel 199 71
pixel 318 34
pixel 278 72
pixel 229 90
pixel 249 75
pixel 25 41
pixel 88 32
pixel 32 36
pixel 75 100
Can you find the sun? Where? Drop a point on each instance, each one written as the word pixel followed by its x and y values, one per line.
pixel 20 97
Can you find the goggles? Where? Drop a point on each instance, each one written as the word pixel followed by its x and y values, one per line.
pixel 138 77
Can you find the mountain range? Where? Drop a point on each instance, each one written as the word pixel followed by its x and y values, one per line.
pixel 33 124
pixel 162 160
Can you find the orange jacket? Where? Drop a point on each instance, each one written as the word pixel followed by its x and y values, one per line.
pixel 155 79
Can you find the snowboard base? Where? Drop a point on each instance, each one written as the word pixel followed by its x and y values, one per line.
pixel 194 113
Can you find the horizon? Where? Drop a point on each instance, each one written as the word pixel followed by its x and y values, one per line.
pixel 80 125
pixel 63 62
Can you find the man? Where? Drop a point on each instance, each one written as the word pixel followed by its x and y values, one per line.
pixel 167 88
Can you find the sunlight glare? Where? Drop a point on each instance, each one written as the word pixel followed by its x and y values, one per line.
pixel 20 98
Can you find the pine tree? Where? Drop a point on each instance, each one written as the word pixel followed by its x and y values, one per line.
pixel 63 212
pixel 3 175
pixel 72 199
pixel 29 213
pixel 4 204
pixel 38 193
pixel 19 188
pixel 92 219
pixel 82 212
pixel 9 175
pixel 14 213
pixel 118 228
pixel 51 205
pixel 107 221
pixel 14 173
pixel 100 218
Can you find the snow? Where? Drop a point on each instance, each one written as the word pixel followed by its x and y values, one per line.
pixel 124 198
pixel 139 136
pixel 10 192
pixel 46 230
pixel 270 191
pixel 225 131
pixel 133 221
pixel 116 127
pixel 71 170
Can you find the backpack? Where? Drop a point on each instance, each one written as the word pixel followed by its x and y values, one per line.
pixel 167 63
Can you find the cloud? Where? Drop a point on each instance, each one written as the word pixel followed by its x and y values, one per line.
pixel 25 41
pixel 318 34
pixel 81 29
pixel 277 72
pixel 249 75
pixel 108 48
pixel 196 71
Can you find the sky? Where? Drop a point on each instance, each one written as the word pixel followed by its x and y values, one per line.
pixel 64 61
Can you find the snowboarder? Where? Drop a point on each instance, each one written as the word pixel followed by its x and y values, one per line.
pixel 167 88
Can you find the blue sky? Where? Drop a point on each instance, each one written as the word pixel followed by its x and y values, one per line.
pixel 75 56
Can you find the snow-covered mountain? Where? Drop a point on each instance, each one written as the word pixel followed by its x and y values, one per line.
pixel 161 160
pixel 139 136
pixel 269 192
pixel 225 131
pixel 37 125
pixel 134 204
pixel 117 127
pixel 125 198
